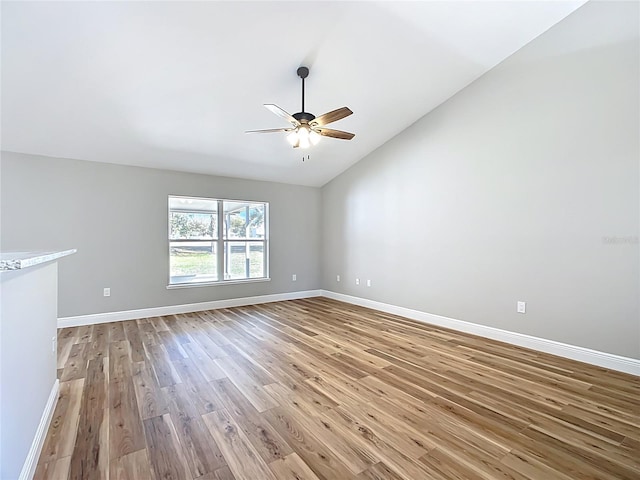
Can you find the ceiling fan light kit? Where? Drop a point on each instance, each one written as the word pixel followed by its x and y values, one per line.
pixel 307 129
pixel 303 137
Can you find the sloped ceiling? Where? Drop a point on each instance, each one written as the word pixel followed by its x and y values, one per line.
pixel 175 84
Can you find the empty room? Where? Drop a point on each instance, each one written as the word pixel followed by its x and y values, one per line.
pixel 320 240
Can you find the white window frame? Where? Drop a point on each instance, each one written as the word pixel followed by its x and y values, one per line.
pixel 221 242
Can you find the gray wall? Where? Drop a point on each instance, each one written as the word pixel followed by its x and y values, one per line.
pixel 116 216
pixel 523 186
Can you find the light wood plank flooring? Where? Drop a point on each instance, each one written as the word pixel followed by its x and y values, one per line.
pixel 318 389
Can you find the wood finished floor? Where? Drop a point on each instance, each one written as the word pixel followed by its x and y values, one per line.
pixel 318 389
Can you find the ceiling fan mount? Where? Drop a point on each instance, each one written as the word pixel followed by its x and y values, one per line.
pixel 303 72
pixel 307 129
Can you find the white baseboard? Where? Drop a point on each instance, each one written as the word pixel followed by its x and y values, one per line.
pixel 582 354
pixel 92 319
pixel 31 462
pixel 594 357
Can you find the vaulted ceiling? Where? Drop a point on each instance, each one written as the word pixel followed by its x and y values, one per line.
pixel 174 85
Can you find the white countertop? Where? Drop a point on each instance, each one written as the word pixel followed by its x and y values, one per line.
pixel 19 260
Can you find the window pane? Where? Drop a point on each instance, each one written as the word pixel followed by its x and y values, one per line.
pixel 193 262
pixel 256 259
pixel 192 225
pixel 244 220
pixel 244 260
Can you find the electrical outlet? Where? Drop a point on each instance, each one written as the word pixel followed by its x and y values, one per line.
pixel 521 307
pixel 357 281
pixel 337 278
pixel 368 283
pixel 293 277
pixel 106 292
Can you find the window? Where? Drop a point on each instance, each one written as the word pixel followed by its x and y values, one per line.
pixel 213 240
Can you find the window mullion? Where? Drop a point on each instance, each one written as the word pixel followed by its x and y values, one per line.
pixel 220 240
pixel 265 247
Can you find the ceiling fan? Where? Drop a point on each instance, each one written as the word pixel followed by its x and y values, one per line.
pixel 307 129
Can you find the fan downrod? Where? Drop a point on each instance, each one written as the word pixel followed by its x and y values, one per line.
pixel 303 72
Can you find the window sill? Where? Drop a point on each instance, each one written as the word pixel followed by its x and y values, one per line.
pixel 216 284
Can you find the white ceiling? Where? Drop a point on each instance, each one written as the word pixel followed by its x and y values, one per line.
pixel 175 84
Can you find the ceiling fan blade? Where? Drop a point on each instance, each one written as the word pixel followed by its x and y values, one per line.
pixel 332 116
pixel 327 132
pixel 281 113
pixel 270 130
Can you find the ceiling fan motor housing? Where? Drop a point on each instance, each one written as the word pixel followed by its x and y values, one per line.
pixel 304 117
